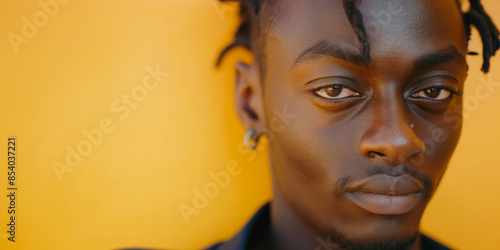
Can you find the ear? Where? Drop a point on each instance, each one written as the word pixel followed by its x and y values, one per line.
pixel 248 97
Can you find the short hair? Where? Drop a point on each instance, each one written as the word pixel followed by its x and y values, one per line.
pixel 254 22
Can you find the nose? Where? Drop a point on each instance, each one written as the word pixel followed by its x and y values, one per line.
pixel 390 137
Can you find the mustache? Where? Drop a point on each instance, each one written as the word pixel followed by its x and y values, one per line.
pixel 344 181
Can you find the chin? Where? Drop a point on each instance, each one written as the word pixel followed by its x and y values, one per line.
pixel 372 231
pixel 381 243
pixel 387 239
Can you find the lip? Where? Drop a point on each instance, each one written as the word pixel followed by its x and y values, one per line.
pixel 386 195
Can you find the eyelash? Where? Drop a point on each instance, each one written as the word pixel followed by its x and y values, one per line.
pixel 342 87
pixel 441 88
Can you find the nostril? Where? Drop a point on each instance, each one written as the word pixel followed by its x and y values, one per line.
pixel 373 154
pixel 414 155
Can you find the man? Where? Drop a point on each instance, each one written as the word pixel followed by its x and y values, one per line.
pixel 372 84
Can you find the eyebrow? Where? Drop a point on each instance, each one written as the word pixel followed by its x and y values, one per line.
pixel 324 48
pixel 443 55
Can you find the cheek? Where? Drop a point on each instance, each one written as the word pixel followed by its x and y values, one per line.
pixel 311 154
pixel 441 136
pixel 306 168
pixel 299 142
pixel 307 145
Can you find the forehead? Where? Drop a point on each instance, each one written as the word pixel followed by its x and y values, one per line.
pixel 394 27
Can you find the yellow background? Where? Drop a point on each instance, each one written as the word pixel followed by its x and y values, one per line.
pixel 127 191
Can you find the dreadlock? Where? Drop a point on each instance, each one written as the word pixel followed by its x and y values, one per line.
pixel 248 13
pixel 250 32
pixel 251 25
pixel 356 19
pixel 487 30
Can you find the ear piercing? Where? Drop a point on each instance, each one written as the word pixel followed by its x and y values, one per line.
pixel 248 136
pixel 411 125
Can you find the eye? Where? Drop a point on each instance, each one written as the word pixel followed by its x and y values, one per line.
pixel 334 92
pixel 433 93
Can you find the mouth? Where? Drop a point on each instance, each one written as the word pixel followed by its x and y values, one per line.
pixel 387 195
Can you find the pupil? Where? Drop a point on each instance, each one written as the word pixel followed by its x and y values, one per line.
pixel 432 92
pixel 333 90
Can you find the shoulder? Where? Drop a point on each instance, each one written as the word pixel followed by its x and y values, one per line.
pixel 252 232
pixel 429 244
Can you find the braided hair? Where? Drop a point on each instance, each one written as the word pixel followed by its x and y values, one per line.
pixel 249 33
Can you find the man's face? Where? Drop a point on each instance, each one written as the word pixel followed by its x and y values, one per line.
pixel 368 144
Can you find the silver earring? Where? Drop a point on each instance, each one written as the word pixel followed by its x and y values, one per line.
pixel 248 136
pixel 411 125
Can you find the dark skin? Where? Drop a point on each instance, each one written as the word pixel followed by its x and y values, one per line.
pixel 353 118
